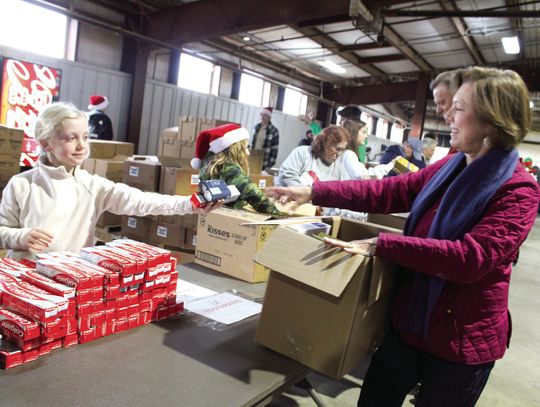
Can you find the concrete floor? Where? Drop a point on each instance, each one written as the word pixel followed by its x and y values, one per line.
pixel 515 379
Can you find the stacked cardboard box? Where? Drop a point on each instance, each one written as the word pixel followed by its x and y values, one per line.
pixel 10 153
pixel 67 299
pixel 110 149
pixel 142 172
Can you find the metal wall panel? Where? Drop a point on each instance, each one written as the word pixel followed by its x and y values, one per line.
pixel 164 103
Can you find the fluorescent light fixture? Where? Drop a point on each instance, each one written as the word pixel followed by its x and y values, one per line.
pixel 331 66
pixel 510 45
pixel 246 38
pixel 531 104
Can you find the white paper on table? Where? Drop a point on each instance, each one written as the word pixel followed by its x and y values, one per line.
pixel 186 291
pixel 224 307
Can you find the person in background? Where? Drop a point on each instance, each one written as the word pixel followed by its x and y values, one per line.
pixel 307 140
pixel 55 206
pixel 411 149
pixel 469 214
pixel 328 158
pixel 266 139
pixel 350 120
pixel 428 148
pixel 99 123
pixel 443 92
pixel 222 153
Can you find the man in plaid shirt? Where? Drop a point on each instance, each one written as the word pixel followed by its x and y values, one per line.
pixel 266 139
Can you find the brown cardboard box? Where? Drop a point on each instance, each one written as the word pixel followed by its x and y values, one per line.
pixel 191 239
pixel 11 141
pixel 394 220
pixel 89 165
pixel 142 173
pixel 255 161
pixel 168 234
pixel 110 149
pixel 323 307
pixel 110 169
pixel 136 228
pixel 108 219
pixel 179 181
pixel 262 181
pixel 187 128
pixel 227 240
pixel 9 164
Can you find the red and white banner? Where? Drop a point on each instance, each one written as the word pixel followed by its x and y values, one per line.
pixel 27 88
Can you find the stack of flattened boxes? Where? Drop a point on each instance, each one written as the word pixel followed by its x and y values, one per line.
pixel 10 153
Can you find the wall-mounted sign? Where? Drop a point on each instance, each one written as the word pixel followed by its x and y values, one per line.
pixel 26 89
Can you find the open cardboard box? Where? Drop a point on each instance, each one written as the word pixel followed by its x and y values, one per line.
pixel 324 307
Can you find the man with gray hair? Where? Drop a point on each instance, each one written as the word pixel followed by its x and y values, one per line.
pixel 443 91
pixel 428 147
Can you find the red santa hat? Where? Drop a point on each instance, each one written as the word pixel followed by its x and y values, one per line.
pixel 98 102
pixel 216 140
pixel 267 111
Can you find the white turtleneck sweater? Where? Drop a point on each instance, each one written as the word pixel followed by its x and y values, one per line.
pixel 68 206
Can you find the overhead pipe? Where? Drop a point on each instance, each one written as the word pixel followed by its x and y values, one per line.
pixel 460 13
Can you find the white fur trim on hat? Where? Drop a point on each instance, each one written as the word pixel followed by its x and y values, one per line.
pixel 196 163
pixel 99 106
pixel 266 112
pixel 234 136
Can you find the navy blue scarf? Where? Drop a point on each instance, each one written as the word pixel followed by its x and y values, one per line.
pixel 467 190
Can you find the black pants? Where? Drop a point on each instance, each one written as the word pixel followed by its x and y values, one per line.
pixel 396 368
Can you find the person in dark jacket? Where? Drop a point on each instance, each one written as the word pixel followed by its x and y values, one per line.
pixel 99 123
pixel 411 149
pixel 469 214
pixel 266 138
pixel 222 153
pixel 307 140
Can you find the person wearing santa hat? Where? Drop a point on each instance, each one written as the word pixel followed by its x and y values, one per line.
pixel 266 138
pixel 99 123
pixel 222 153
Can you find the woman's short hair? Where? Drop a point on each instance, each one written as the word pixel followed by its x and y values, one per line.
pixel 330 136
pixel 51 119
pixel 501 99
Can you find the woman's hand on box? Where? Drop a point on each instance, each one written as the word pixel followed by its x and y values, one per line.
pixel 365 247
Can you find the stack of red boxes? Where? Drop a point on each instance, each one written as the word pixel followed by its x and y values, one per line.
pixel 74 299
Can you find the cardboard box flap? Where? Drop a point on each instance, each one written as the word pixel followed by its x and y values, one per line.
pixel 323 268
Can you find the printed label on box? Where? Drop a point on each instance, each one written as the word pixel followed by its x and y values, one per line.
pixel 262 183
pixel 161 232
pixel 194 179
pixel 132 223
pixel 134 171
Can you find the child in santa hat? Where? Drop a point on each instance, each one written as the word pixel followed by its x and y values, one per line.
pixel 222 153
pixel 55 206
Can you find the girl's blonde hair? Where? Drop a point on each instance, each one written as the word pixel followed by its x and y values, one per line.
pixel 235 153
pixel 51 119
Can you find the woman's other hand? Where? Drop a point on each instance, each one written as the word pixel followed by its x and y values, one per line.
pixel 37 240
pixel 365 247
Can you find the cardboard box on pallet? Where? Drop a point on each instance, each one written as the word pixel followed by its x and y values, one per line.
pixel 142 172
pixel 110 149
pixel 179 181
pixel 136 228
pixel 324 307
pixel 11 141
pixel 167 233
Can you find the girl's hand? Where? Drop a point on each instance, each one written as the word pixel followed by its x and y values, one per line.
pixel 37 240
pixel 298 195
pixel 209 207
pixel 365 247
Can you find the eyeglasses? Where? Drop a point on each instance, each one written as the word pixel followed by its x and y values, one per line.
pixel 337 149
